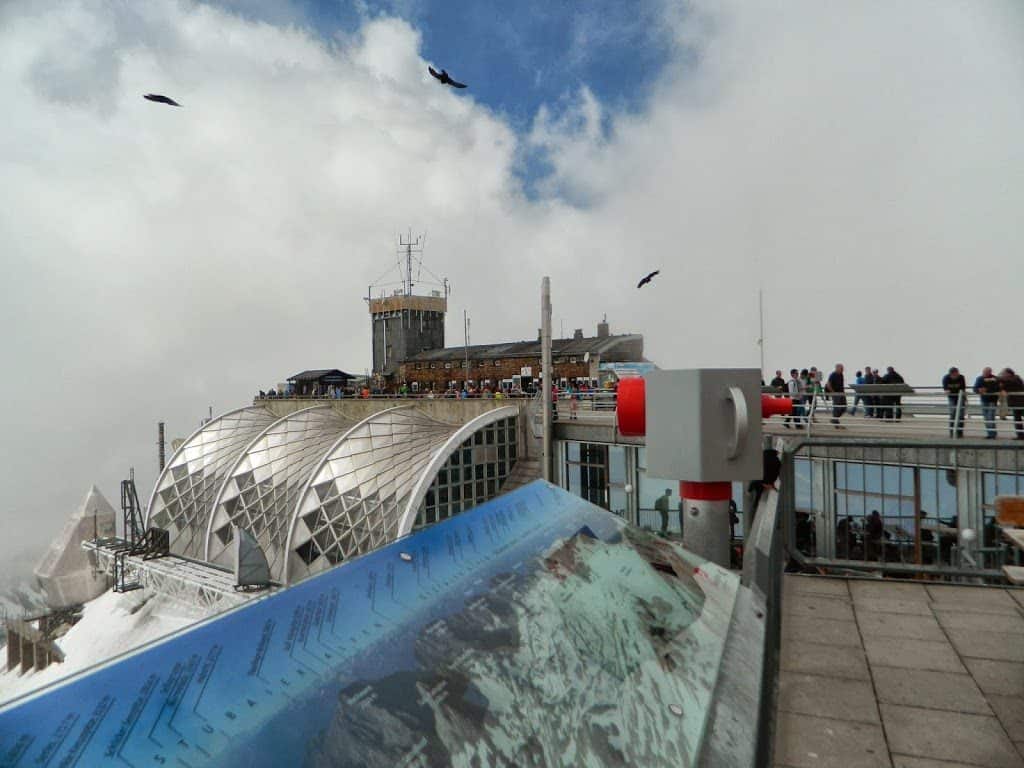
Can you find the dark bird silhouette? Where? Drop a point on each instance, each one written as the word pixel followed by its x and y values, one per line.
pixel 161 99
pixel 647 279
pixel 445 80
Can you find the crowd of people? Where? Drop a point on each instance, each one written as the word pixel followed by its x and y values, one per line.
pixel 994 391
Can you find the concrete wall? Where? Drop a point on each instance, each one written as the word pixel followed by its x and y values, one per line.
pixel 443 409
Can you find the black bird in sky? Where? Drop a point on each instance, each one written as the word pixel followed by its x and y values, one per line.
pixel 445 80
pixel 161 99
pixel 647 279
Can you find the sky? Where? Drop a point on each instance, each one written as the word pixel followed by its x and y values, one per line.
pixel 860 163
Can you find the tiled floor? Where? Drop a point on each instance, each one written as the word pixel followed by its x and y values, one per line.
pixel 900 674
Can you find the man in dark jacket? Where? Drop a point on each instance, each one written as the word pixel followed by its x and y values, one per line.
pixel 1013 386
pixel 986 386
pixel 870 401
pixel 836 386
pixel 955 386
pixel 893 408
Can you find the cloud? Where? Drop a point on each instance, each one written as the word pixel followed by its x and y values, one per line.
pixel 863 165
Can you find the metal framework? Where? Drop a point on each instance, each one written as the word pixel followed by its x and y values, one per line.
pixel 190 584
pixel 262 487
pixel 187 488
pixel 314 488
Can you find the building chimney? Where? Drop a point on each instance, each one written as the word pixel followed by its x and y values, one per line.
pixel 577 335
pixel 602 328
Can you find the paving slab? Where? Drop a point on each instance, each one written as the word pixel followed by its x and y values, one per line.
pixel 906 761
pixel 1017 594
pixel 815 585
pixel 875 624
pixel 827 697
pixel 1010 711
pixel 821 606
pixel 912 654
pixel 888 589
pixel 827 631
pixel 925 688
pixel 902 607
pixel 802 741
pixel 1002 678
pixel 978 599
pixel 964 618
pixel 983 644
pixel 940 735
pixel 826 660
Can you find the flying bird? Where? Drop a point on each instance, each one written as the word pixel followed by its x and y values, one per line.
pixel 445 80
pixel 161 99
pixel 647 279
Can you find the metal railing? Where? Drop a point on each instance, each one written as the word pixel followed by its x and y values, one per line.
pixel 903 507
pixel 742 718
pixel 905 410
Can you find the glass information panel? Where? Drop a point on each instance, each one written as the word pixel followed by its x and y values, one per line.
pixel 535 629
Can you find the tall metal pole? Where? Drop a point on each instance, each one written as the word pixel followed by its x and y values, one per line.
pixel 465 346
pixel 760 339
pixel 161 456
pixel 545 374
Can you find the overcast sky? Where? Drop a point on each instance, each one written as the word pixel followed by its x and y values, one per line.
pixel 862 162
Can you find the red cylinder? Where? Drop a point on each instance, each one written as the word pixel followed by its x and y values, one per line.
pixel 775 406
pixel 630 407
pixel 717 491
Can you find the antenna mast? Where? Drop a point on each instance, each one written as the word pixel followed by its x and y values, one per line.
pixel 407 247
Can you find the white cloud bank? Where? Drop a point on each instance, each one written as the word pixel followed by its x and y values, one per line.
pixel 863 163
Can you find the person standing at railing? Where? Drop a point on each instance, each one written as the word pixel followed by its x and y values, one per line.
pixel 870 401
pixel 893 409
pixel 857 381
pixel 661 505
pixel 1013 388
pixel 836 387
pixel 778 384
pixel 795 387
pixel 986 386
pixel 955 386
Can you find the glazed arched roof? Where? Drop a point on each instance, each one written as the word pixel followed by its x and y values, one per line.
pixel 313 487
pixel 261 488
pixel 355 497
pixel 187 488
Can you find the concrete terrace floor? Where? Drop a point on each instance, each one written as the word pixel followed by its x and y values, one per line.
pixel 901 674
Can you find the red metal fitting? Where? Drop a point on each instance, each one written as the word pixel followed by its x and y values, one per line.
pixel 631 409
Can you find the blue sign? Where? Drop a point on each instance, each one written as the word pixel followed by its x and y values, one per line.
pixel 535 629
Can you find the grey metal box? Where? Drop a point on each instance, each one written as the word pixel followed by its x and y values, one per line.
pixel 704 425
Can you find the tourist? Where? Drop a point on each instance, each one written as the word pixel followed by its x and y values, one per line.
pixel 874 531
pixel 986 386
pixel 893 409
pixel 661 505
pixel 836 387
pixel 795 386
pixel 857 381
pixel 870 401
pixel 778 384
pixel 573 402
pixel 1013 387
pixel 955 386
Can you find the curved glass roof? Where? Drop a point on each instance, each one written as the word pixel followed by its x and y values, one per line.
pixel 352 503
pixel 261 488
pixel 314 488
pixel 187 488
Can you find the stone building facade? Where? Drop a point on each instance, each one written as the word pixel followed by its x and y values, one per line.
pixel 517 364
